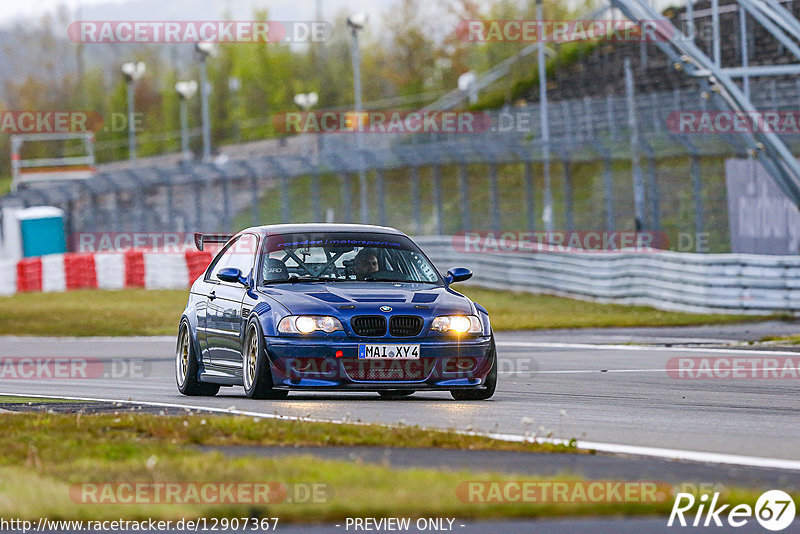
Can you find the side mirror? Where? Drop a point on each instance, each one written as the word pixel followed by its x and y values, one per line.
pixel 232 274
pixel 457 274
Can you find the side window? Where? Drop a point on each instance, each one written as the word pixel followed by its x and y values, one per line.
pixel 238 254
pixel 244 250
pixel 221 262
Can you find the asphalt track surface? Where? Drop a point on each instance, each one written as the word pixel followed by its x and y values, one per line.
pixel 592 385
pixel 551 384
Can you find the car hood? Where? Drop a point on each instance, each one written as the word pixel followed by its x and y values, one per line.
pixel 354 298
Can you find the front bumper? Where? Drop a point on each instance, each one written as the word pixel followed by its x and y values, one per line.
pixel 443 364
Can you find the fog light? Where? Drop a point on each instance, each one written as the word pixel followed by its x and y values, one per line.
pixel 459 365
pixel 464 364
pixel 299 365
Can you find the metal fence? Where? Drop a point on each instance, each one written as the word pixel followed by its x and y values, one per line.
pixel 438 183
pixel 709 283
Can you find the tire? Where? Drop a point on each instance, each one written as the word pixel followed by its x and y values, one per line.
pixel 187 368
pixel 484 392
pixel 396 393
pixel 256 376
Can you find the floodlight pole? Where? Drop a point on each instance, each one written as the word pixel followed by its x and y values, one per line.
pixel 185 131
pixel 639 205
pixel 547 193
pixel 131 124
pixel 204 90
pixel 362 178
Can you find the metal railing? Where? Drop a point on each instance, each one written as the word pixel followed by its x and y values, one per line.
pixel 703 283
pixel 435 183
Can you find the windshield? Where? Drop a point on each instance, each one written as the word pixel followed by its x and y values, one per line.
pixel 344 256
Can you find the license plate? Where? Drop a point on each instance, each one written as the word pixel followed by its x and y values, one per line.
pixel 388 352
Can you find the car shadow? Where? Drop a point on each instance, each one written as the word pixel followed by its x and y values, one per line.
pixel 347 396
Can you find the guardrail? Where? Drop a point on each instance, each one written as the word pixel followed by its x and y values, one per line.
pixel 702 283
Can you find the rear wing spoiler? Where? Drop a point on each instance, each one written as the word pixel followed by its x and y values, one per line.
pixel 200 239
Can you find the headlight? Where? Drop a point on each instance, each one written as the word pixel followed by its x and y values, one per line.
pixel 460 324
pixel 305 324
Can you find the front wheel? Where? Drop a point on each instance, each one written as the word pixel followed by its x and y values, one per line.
pixel 487 390
pixel 186 366
pixel 256 376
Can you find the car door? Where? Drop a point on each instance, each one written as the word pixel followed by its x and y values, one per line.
pixel 199 298
pixel 225 325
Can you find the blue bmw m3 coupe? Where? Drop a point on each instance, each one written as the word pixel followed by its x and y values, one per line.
pixel 317 307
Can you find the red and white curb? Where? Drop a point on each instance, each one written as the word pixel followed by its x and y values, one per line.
pixel 118 270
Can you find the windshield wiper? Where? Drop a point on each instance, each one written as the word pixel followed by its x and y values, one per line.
pixel 375 279
pixel 300 279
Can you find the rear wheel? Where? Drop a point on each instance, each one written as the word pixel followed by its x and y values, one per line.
pixel 186 366
pixel 487 390
pixel 256 375
pixel 396 393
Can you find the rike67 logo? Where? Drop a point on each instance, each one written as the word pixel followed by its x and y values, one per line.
pixel 774 510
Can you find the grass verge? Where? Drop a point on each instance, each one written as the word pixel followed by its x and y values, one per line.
pixel 781 340
pixel 101 430
pixel 128 312
pixel 139 312
pixel 523 311
pixel 49 457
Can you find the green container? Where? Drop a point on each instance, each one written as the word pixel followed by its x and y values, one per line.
pixel 42 230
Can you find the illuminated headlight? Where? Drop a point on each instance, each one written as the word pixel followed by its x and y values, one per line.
pixel 460 324
pixel 305 324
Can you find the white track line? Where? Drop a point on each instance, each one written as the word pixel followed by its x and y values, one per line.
pixel 643 348
pixel 653 452
pixel 604 371
pixel 583 371
pixel 668 454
